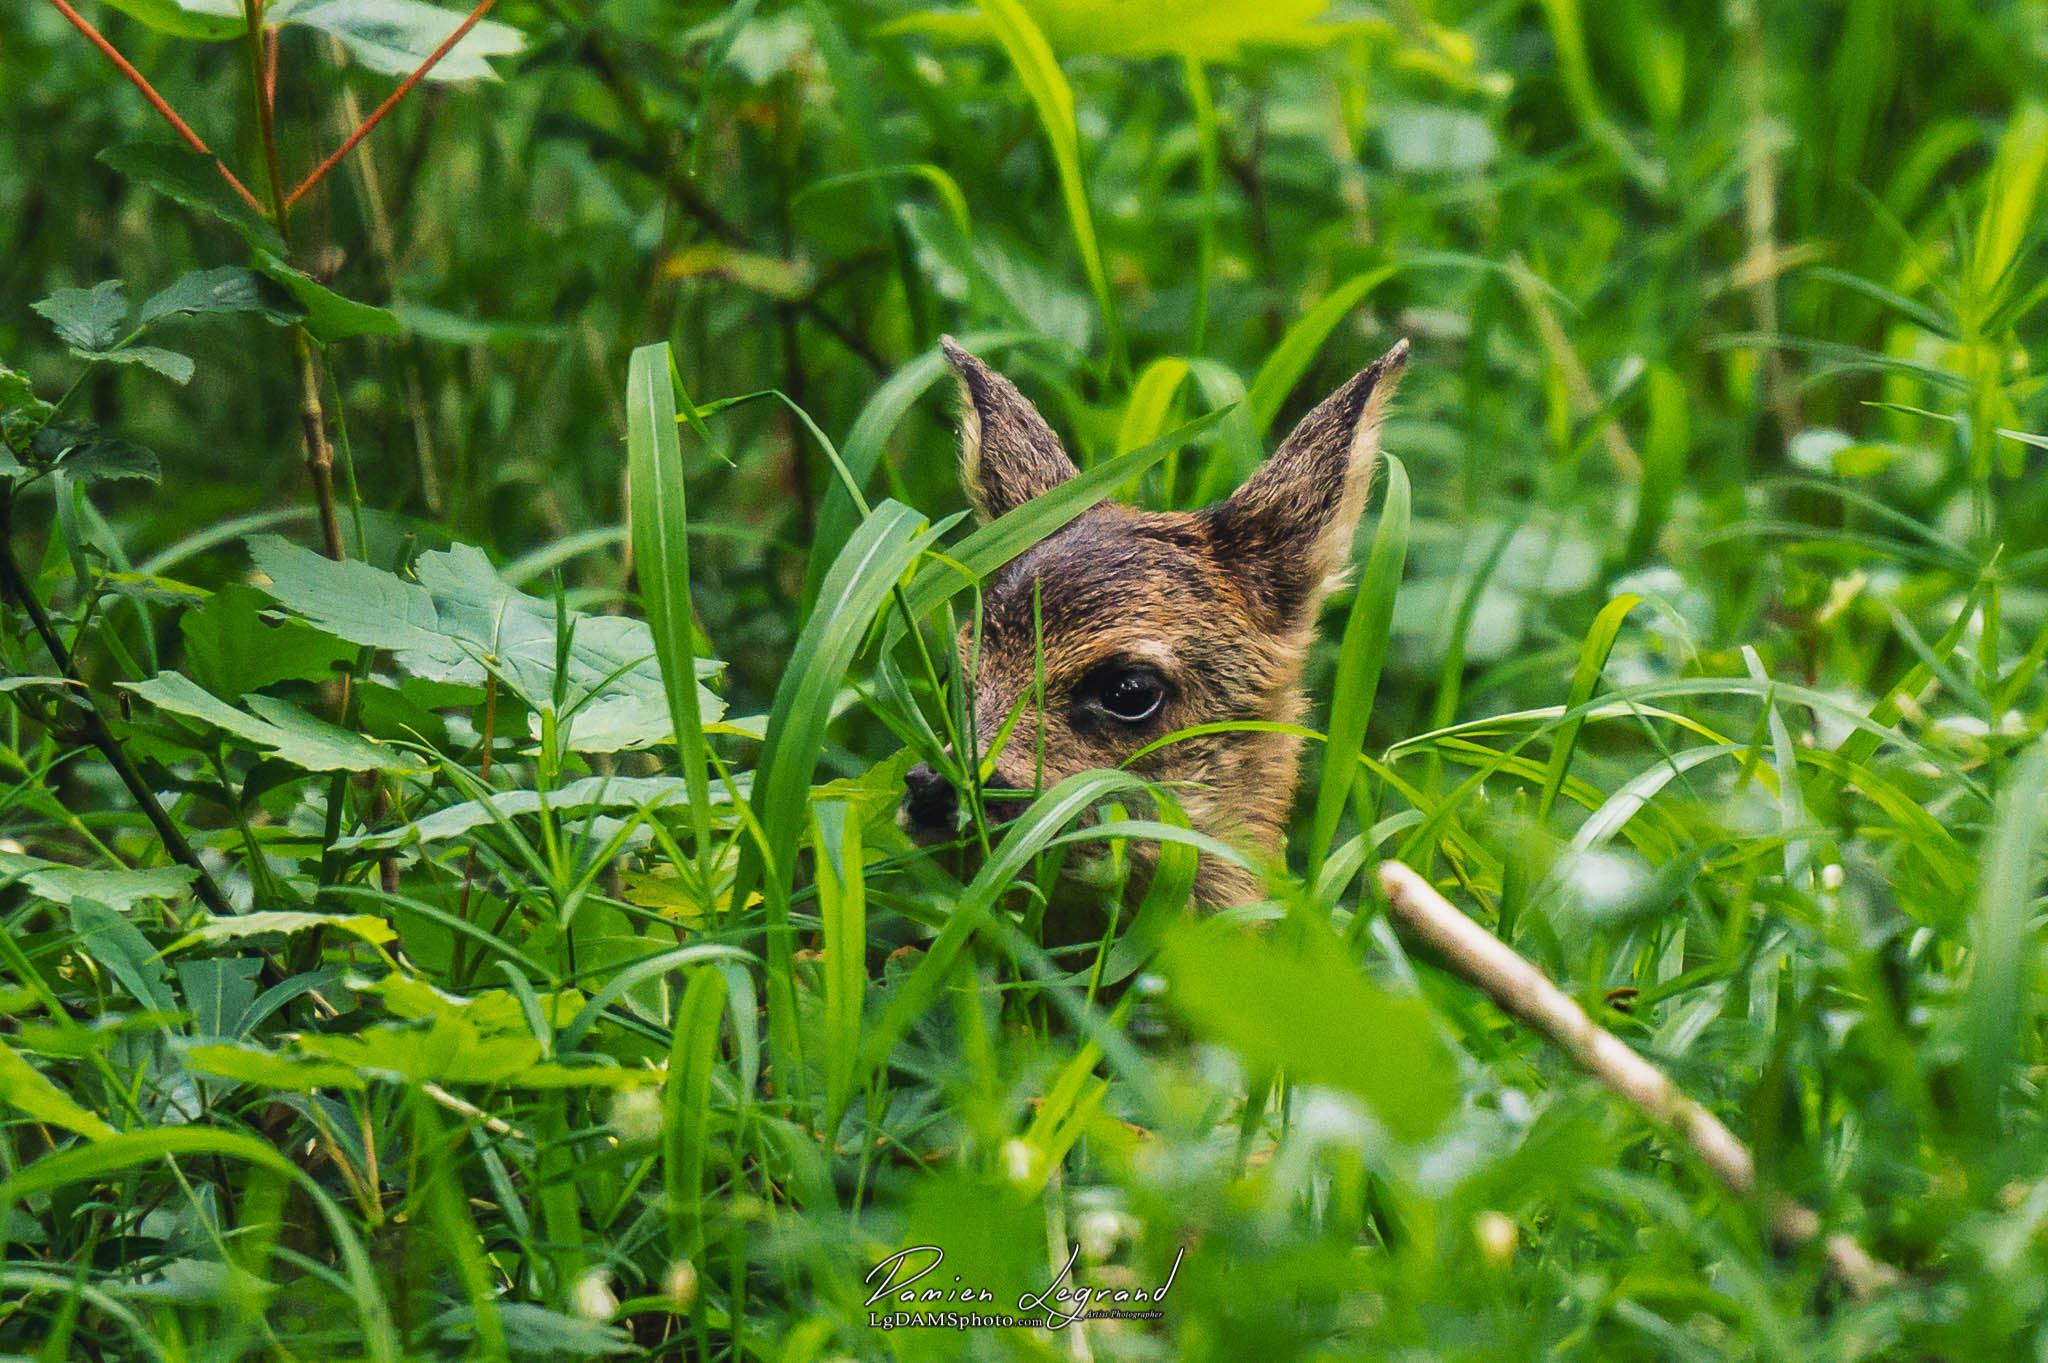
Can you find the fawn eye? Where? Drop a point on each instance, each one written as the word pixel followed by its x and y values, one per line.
pixel 1130 694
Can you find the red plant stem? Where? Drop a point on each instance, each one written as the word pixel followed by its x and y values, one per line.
pixel 156 101
pixel 270 68
pixel 377 115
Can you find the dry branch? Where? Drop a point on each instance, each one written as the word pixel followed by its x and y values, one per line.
pixel 1515 983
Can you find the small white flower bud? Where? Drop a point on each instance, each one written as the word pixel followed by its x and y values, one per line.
pixel 591 1296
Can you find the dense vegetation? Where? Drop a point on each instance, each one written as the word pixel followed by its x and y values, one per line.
pixel 450 904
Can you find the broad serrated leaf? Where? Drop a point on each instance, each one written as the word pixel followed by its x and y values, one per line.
pixel 18 394
pixel 367 928
pixel 117 944
pixel 460 615
pixel 169 363
pixel 364 605
pixel 279 728
pixel 118 889
pixel 194 180
pixel 104 461
pixel 231 288
pixel 232 651
pixel 449 1048
pixel 394 36
pixel 89 319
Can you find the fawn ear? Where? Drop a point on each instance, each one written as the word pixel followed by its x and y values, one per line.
pixel 1287 532
pixel 1008 455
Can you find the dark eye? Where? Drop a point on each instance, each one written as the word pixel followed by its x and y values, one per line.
pixel 1131 694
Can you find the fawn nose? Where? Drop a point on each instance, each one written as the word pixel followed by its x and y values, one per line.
pixel 931 806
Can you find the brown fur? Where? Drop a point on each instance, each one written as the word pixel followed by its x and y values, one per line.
pixel 1221 603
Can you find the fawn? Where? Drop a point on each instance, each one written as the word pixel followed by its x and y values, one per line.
pixel 1151 622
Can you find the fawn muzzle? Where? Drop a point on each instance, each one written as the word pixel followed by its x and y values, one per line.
pixel 931 807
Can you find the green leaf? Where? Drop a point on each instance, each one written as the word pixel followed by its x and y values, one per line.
pixel 1664 452
pixel 22 414
pixel 192 179
pixel 374 931
pixel 26 1089
pixel 1308 1009
pixel 117 889
pixel 686 1125
pixel 284 731
pixel 232 651
pixel 394 36
pixel 218 991
pixel 89 319
pixel 328 316
pixel 206 20
pixel 660 520
pixel 169 363
pixel 1593 653
pixel 578 797
pixel 1297 350
pixel 1360 660
pixel 105 461
pixel 1208 30
pixel 449 1048
pixel 862 579
pixel 245 1062
pixel 460 613
pixel 105 936
pixel 1998 1012
pixel 231 288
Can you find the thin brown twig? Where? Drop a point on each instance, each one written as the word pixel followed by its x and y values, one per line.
pixel 1515 983
pixel 156 101
pixel 15 584
pixel 377 114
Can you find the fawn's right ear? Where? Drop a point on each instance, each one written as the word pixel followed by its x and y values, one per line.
pixel 1008 455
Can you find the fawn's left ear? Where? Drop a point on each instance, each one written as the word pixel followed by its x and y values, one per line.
pixel 1008 454
pixel 1287 532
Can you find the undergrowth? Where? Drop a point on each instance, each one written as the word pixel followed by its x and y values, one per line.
pixel 453 901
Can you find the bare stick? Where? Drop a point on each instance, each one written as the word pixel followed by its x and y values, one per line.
pixel 1514 983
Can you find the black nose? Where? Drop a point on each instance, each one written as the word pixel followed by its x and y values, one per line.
pixel 930 804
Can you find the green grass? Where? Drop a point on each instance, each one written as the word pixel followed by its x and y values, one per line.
pixel 501 945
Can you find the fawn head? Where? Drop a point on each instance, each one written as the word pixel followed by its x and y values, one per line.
pixel 1143 623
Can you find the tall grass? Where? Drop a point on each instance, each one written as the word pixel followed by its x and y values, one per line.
pixel 572 992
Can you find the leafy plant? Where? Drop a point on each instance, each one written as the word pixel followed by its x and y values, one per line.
pixel 451 902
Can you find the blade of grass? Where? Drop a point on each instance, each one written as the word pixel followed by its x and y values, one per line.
pixel 1998 1011
pixel 1028 834
pixel 1053 98
pixel 1592 661
pixel 1290 359
pixel 686 1119
pixel 862 581
pixel 660 519
pixel 843 917
pixel 1360 658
